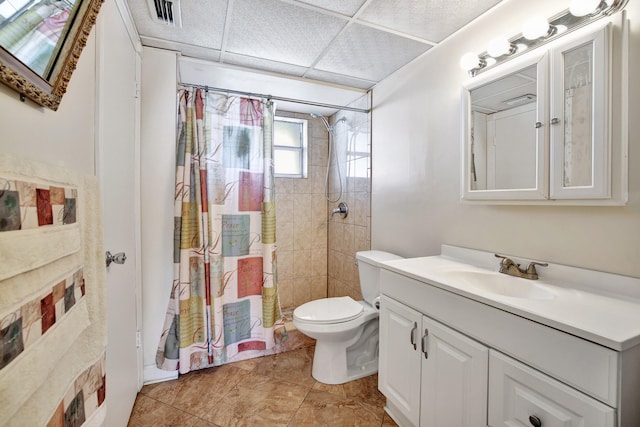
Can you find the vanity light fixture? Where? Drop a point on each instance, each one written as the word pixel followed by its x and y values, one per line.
pixel 584 7
pixel 500 46
pixel 470 60
pixel 537 27
pixel 538 31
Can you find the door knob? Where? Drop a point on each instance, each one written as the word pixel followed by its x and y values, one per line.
pixel 118 258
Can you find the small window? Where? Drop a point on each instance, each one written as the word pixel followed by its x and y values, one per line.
pixel 290 147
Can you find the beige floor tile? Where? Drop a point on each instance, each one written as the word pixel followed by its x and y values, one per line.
pixel 258 400
pixel 291 366
pixel 165 391
pixel 387 421
pixel 246 365
pixel 270 391
pixel 150 412
pixel 206 388
pixel 203 423
pixel 363 390
pixel 326 409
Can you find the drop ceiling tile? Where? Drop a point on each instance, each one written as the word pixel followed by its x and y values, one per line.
pixel 431 20
pixel 202 22
pixel 200 52
pixel 339 79
pixel 263 64
pixel 344 7
pixel 369 54
pixel 280 31
pixel 184 49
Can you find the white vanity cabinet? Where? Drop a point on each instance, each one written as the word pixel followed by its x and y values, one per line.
pixel 450 358
pixel 430 374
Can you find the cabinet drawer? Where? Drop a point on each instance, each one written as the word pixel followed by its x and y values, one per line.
pixel 518 392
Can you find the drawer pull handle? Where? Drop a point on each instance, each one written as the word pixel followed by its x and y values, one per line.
pixel 424 343
pixel 535 421
pixel 413 335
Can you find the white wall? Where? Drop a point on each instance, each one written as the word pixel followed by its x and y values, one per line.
pixel 416 166
pixel 157 184
pixel 64 137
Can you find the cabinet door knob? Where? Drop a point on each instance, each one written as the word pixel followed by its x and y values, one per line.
pixel 535 421
pixel 555 121
pixel 413 335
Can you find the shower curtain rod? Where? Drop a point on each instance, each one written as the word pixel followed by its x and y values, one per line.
pixel 278 98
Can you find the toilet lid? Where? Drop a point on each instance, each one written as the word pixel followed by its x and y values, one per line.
pixel 329 310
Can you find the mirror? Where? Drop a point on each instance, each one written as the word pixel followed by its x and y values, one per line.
pixel 40 43
pixel 504 138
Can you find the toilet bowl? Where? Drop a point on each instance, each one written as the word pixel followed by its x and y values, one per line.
pixel 345 330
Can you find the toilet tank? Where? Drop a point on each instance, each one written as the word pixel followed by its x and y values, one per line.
pixel 369 263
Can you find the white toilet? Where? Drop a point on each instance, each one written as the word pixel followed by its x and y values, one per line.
pixel 346 331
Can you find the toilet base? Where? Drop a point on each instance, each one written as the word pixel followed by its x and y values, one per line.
pixel 358 358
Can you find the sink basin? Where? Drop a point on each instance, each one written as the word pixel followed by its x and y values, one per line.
pixel 500 284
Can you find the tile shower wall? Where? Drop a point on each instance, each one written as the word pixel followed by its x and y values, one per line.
pixel 353 233
pixel 301 218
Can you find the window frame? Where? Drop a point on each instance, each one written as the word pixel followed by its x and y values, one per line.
pixel 302 150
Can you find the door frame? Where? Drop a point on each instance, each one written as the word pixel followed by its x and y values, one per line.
pixel 99 147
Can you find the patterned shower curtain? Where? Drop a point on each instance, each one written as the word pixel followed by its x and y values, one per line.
pixel 224 299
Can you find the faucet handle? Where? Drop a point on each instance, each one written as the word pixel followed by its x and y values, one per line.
pixel 532 267
pixel 505 260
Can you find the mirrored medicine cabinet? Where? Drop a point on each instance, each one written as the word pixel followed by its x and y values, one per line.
pixel 537 129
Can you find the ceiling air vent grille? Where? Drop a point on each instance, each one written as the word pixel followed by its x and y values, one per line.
pixel 165 12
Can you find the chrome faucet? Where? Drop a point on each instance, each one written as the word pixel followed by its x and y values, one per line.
pixel 508 266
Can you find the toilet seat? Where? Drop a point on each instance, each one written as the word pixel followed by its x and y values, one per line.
pixel 329 310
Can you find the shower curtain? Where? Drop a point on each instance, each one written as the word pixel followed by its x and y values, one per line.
pixel 224 298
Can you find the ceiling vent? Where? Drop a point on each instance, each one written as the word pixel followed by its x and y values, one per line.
pixel 165 12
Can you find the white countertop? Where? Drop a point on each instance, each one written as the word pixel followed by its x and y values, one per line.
pixel 590 310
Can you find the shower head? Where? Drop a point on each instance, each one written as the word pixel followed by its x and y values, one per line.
pixel 326 123
pixel 320 116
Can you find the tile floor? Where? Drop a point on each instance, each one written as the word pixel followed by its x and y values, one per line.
pixel 275 390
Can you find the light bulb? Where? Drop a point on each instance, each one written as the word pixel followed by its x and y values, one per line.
pixel 583 7
pixel 498 47
pixel 469 61
pixel 535 28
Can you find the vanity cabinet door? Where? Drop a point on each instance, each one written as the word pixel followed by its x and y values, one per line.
pixel 399 360
pixel 454 378
pixel 522 396
pixel 579 128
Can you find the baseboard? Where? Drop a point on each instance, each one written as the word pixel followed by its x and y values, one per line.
pixel 152 375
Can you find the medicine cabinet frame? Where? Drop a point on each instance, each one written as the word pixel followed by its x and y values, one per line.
pixel 539 190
